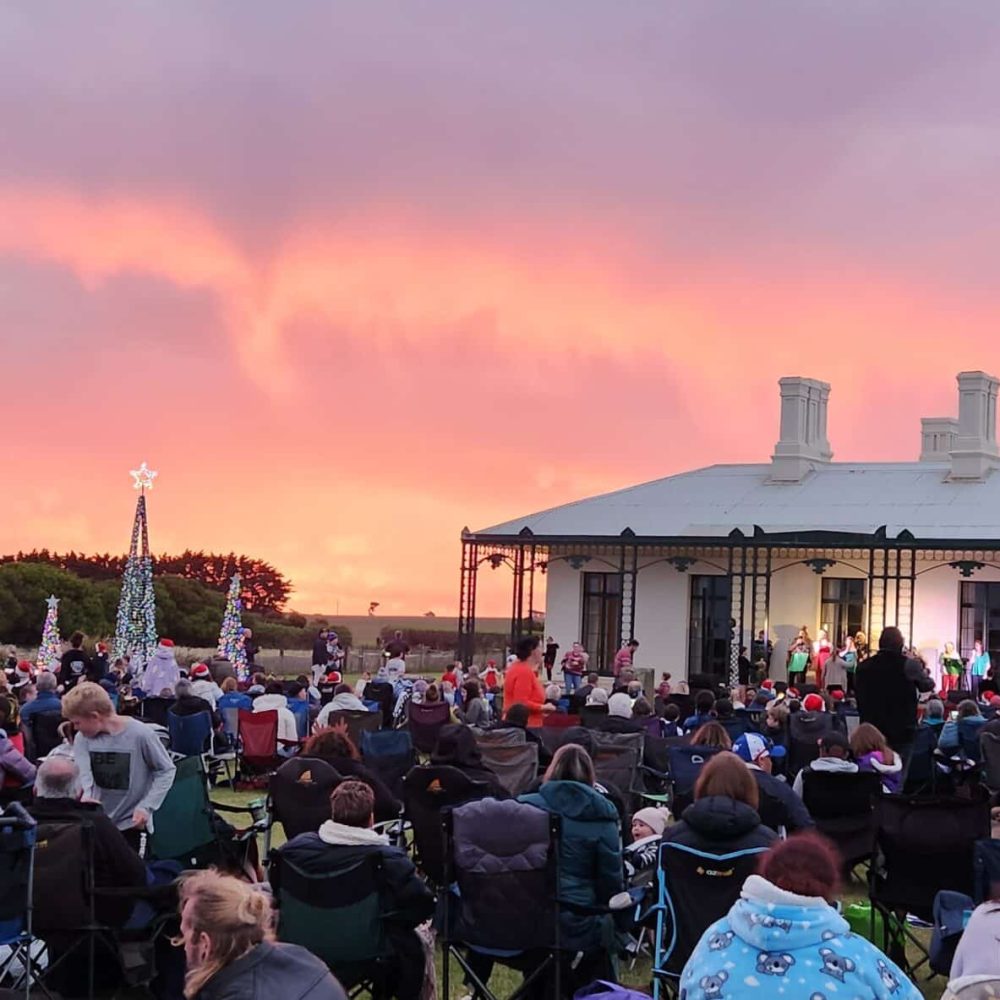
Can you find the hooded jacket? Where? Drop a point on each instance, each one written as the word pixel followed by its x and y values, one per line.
pixel 344 702
pixel 831 765
pixel 13 763
pixel 718 824
pixel 590 859
pixel 337 846
pixel 273 969
pixel 287 729
pixel 891 771
pixel 456 747
pixel 773 941
pixel 161 672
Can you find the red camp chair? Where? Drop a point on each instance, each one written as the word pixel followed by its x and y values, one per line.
pixel 557 720
pixel 258 739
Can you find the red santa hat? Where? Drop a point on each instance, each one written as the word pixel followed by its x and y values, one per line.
pixel 813 703
pixel 201 672
pixel 769 684
pixel 166 643
pixel 333 677
pixel 837 694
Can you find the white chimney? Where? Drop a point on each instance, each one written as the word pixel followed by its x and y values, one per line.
pixel 974 454
pixel 937 438
pixel 803 443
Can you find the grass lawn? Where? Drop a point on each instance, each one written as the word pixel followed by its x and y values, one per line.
pixel 505 981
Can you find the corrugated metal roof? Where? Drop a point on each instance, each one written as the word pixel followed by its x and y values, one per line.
pixel 843 497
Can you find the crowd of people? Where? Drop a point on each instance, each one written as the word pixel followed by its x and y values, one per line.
pixel 112 771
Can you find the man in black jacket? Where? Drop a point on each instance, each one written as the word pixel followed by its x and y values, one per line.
pixel 341 843
pixel 886 686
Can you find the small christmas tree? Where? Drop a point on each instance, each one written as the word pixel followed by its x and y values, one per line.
pixel 231 635
pixel 50 651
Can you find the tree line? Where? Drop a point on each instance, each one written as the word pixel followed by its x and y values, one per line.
pixel 262 587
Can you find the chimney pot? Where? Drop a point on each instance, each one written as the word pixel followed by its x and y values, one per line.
pixel 974 453
pixel 803 442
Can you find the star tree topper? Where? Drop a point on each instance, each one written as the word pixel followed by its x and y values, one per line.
pixel 53 601
pixel 143 477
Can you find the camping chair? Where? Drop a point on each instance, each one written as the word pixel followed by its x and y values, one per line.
pixel 299 797
pixel 552 737
pixel 425 722
pixel 258 738
pixel 187 828
pixel 516 767
pixel 502 862
pixel 618 762
pixel 155 710
pixel 357 723
pixel 591 716
pixel 384 693
pixel 986 864
pixel 42 730
pixel 842 806
pixel 990 747
pixel 560 720
pixel 300 709
pixel 507 737
pixel 427 790
pixel 803 739
pixel 337 915
pixel 922 845
pixel 390 754
pixel 17 870
pixel 231 722
pixel 694 889
pixel 190 735
pixel 921 774
pixel 686 763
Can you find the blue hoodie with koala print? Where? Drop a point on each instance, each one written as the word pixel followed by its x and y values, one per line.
pixel 777 945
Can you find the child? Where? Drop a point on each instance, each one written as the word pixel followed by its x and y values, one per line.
pixel 872 753
pixel 640 856
pixel 123 765
pixel 671 721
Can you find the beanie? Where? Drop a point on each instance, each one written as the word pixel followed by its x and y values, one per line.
pixel 813 703
pixel 654 817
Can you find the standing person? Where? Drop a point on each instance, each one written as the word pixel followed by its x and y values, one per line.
pixel 99 664
pixel 951 666
pixel 799 655
pixel 551 651
pixel 624 657
pixel 849 654
pixel 835 672
pixel 227 928
pixel 396 648
pixel 574 666
pixel 521 684
pixel 319 656
pixel 251 649
pixel 861 646
pixel 822 649
pixel 162 672
pixel 123 765
pixel 886 687
pixel 979 665
pixel 75 663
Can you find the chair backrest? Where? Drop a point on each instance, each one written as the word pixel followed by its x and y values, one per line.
pixel 384 693
pixel 190 734
pixel 503 856
pixel 803 738
pixel 43 728
pixel 990 745
pixel 183 823
pixel 927 843
pixel 17 847
pixel 510 737
pixel 618 759
pixel 426 721
pixel 300 709
pixel 337 915
pixel 426 792
pixel 300 794
pixel 968 738
pixel 686 763
pixel 357 722
pixel 385 743
pixel 696 888
pixel 231 720
pixel 62 897
pixel 592 716
pixel 834 795
pixel 560 720
pixel 516 767
pixel 155 710
pixel 258 735
pixel 920 773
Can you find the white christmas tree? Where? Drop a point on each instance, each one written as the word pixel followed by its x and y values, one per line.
pixel 50 651
pixel 231 639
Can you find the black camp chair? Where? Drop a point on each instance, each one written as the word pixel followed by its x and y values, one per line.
pixel 516 767
pixel 299 796
pixel 42 732
pixel 155 710
pixel 694 889
pixel 425 722
pixel 337 915
pixel 427 792
pixel 842 805
pixel 922 844
pixel 390 754
pixel 502 858
pixel 383 693
pixel 921 775
pixel 358 722
pixel 17 871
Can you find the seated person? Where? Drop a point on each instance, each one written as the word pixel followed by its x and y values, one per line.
pixel 340 843
pixel 475 710
pixel 672 721
pixel 778 805
pixel 517 718
pixel 704 711
pixel 641 856
pixel 834 756
pixel 619 718
pixel 966 726
pixel 344 700
pixel 46 698
pixel 456 747
pixel 15 769
pixel 579 697
pixel 273 700
pixel 203 685
pixel 186 702
pixel 233 697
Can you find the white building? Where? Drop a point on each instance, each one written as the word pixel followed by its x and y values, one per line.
pixel 801 540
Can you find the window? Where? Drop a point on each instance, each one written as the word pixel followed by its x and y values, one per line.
pixel 842 608
pixel 602 612
pixel 709 633
pixel 979 618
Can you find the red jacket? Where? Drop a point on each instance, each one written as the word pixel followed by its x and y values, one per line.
pixel 521 686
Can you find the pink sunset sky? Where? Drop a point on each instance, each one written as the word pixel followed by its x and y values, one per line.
pixel 352 276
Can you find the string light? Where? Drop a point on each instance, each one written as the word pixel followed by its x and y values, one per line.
pixel 50 650
pixel 231 637
pixel 135 629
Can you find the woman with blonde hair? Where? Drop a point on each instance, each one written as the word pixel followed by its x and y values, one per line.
pixel 227 931
pixel 711 734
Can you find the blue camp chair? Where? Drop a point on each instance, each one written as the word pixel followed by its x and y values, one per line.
pixel 190 735
pixel 300 709
pixel 17 869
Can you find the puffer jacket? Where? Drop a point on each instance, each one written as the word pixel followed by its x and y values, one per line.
pixel 773 941
pixel 891 772
pixel 590 859
pixel 718 824
pixel 273 969
pixel 13 763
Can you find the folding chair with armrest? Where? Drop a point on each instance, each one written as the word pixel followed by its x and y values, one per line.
pixel 299 797
pixel 425 722
pixel 843 807
pixel 258 739
pixel 17 871
pixel 42 730
pixel 686 763
pixel 358 723
pixel 390 754
pixel 501 860
pixel 516 767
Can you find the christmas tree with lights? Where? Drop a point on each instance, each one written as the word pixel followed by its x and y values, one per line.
pixel 50 651
pixel 135 631
pixel 231 635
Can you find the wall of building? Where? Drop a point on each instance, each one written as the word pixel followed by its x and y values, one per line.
pixel 563 599
pixel 662 602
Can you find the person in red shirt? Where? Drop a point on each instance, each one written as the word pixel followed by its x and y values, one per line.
pixel 623 658
pixel 521 685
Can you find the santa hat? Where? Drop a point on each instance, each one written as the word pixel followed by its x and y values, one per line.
pixel 201 672
pixel 655 818
pixel 102 647
pixel 166 644
pixel 837 695
pixel 767 684
pixel 333 677
pixel 813 703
